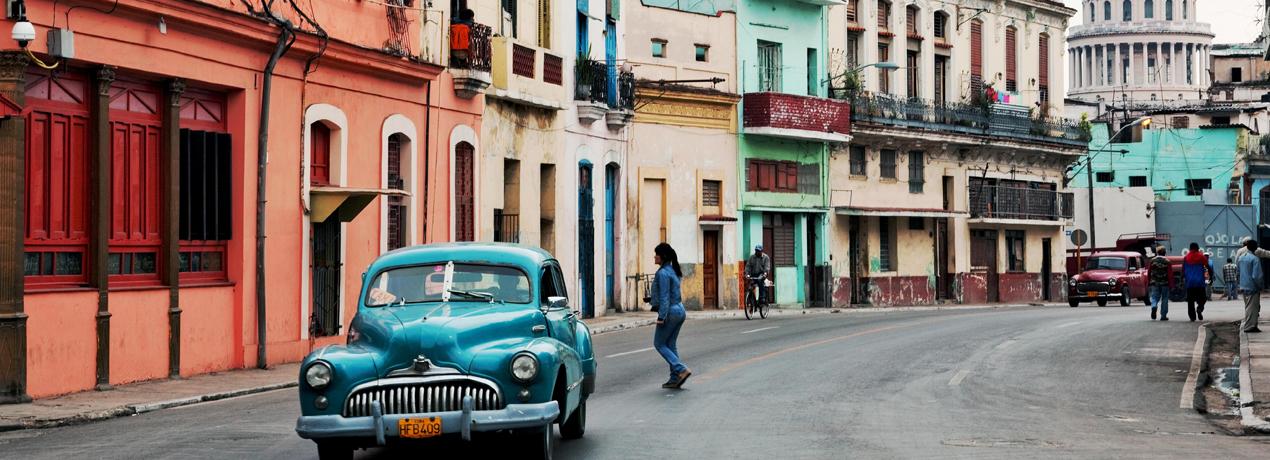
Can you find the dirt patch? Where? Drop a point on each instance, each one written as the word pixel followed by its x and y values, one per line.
pixel 1216 401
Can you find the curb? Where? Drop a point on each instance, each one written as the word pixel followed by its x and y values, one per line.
pixel 1201 369
pixel 1248 419
pixel 135 409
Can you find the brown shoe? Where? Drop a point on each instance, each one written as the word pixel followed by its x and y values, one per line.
pixel 683 377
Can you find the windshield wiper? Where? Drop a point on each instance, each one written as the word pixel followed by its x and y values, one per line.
pixel 474 295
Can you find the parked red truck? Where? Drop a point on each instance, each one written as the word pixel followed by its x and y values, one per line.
pixel 1109 275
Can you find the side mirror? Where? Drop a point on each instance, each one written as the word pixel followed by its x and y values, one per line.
pixel 557 303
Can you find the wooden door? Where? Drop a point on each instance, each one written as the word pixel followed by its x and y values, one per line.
pixel 942 277
pixel 464 192
pixel 983 257
pixel 1047 272
pixel 710 269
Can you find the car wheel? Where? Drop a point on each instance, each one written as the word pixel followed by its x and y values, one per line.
pixel 576 426
pixel 1102 303
pixel 539 443
pixel 330 450
pixel 1125 300
pixel 1073 303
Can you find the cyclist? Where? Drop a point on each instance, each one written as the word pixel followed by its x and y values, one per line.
pixel 756 268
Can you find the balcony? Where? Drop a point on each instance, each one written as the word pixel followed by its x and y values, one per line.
pixel 792 116
pixel 506 227
pixel 470 59
pixel 601 91
pixel 1021 202
pixel 997 120
pixel 526 75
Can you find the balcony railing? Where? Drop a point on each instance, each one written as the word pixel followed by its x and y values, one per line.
pixel 795 116
pixel 1024 203
pixel 506 227
pixel 964 118
pixel 477 55
pixel 597 82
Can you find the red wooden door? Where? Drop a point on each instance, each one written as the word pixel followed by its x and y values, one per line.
pixel 710 269
pixel 319 154
pixel 464 193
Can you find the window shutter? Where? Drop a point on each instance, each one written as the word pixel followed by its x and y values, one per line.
pixel 544 23
pixel 884 14
pixel 1044 50
pixel 615 9
pixel 976 50
pixel 911 21
pixel 1011 61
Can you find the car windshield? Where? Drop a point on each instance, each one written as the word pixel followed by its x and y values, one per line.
pixel 470 282
pixel 1106 263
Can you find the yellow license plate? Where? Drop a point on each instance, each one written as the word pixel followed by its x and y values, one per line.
pixel 1092 293
pixel 418 428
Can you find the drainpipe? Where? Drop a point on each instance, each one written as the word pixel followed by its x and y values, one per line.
pixel 427 157
pixel 286 38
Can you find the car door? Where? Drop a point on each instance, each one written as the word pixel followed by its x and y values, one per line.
pixel 561 322
pixel 1133 278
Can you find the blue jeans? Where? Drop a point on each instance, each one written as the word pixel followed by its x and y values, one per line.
pixel 1160 299
pixel 666 337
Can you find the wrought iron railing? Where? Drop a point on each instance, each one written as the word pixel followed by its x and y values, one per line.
pixel 1014 202
pixel 479 50
pixel 961 117
pixel 506 227
pixel 597 82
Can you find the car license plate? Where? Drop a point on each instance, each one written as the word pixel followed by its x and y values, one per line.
pixel 418 428
pixel 1092 293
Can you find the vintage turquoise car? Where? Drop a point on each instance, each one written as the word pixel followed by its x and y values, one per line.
pixel 450 340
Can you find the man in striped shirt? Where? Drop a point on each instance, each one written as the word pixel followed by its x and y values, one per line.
pixel 1230 278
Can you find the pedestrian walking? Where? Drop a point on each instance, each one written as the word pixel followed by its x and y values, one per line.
pixel 1250 283
pixel 1160 274
pixel 1195 275
pixel 1230 278
pixel 670 313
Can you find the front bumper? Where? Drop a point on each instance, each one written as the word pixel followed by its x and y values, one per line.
pixel 1085 297
pixel 380 427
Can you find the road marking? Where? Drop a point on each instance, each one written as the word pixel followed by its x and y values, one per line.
pixel 641 350
pixel 1073 323
pixel 956 380
pixel 760 329
pixel 1188 390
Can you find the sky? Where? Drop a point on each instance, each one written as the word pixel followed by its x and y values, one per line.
pixel 1233 21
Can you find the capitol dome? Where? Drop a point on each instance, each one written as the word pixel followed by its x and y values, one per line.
pixel 1138 51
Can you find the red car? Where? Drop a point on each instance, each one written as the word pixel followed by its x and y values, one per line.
pixel 1112 275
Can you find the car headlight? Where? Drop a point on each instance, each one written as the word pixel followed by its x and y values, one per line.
pixel 1071 282
pixel 1111 281
pixel 318 375
pixel 524 367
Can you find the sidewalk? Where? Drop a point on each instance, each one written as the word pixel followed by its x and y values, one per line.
pixel 126 400
pixel 1254 379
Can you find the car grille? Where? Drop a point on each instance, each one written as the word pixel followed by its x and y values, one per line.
pixel 422 397
pixel 1092 286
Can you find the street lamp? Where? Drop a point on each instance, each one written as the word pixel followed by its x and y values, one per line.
pixel 1145 121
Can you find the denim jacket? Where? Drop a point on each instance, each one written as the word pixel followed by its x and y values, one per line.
pixel 666 290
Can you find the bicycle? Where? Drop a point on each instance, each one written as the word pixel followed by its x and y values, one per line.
pixel 754 302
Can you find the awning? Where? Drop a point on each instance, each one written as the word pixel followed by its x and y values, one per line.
pixel 898 212
pixel 343 203
pixel 715 220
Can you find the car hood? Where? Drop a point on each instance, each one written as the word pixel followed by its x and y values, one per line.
pixel 1099 275
pixel 452 334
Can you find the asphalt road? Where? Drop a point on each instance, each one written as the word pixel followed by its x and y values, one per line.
pixel 1050 382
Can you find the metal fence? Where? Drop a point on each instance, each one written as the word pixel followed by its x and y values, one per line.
pixel 597 82
pixel 641 286
pixel 479 51
pixel 506 227
pixel 1013 202
pixel 963 118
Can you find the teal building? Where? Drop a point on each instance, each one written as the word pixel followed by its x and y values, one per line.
pixel 1179 164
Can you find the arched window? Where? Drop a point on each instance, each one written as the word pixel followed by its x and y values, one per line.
pixel 1168 10
pixel 911 28
pixel 1127 9
pixel 941 24
pixel 398 170
pixel 1091 11
pixel 1148 9
pixel 1185 11
pixel 1106 10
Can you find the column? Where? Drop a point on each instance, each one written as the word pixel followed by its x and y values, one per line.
pixel 170 226
pixel 1119 70
pixel 99 165
pixel 1079 67
pixel 1071 69
pixel 1089 65
pixel 1140 76
pixel 1179 64
pixel 13 341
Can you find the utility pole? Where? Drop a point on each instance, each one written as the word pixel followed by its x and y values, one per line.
pixel 1089 177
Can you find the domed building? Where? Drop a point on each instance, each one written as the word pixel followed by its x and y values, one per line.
pixel 1139 52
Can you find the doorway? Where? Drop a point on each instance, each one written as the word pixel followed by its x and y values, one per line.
pixel 983 255
pixel 586 240
pixel 325 237
pixel 942 277
pixel 610 235
pixel 710 269
pixel 857 250
pixel 1046 272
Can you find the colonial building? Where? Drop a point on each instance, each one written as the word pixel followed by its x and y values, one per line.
pixel 788 125
pixel 682 164
pixel 140 195
pixel 950 191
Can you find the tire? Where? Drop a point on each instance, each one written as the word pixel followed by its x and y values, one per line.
pixel 762 310
pixel 749 304
pixel 329 450
pixel 1102 302
pixel 1125 300
pixel 538 444
pixel 1073 303
pixel 576 426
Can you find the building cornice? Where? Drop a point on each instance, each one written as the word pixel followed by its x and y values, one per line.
pixel 1138 28
pixel 686 108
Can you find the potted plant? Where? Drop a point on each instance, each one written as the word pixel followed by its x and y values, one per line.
pixel 583 75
